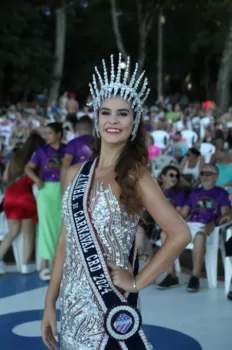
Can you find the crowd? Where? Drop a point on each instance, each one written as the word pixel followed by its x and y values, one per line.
pixel 190 154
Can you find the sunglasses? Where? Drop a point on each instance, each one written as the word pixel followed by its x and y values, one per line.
pixel 207 173
pixel 174 175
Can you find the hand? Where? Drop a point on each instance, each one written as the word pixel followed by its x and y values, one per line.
pixel 49 330
pixel 224 219
pixel 39 184
pixel 122 278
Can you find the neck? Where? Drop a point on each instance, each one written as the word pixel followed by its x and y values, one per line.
pixel 166 187
pixel 55 145
pixel 109 155
pixel 209 187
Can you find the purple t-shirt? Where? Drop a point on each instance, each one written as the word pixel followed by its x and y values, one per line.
pixel 175 196
pixel 206 204
pixel 80 149
pixel 45 155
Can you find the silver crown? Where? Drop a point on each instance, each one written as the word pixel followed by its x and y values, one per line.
pixel 119 85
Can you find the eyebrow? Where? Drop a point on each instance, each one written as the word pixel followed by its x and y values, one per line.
pixel 118 110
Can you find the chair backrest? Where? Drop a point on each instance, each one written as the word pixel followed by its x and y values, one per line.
pixel 207 150
pixel 160 138
pixel 158 163
pixel 190 137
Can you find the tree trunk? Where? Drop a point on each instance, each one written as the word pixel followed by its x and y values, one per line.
pixel 160 55
pixel 224 75
pixel 145 21
pixel 59 54
pixel 116 28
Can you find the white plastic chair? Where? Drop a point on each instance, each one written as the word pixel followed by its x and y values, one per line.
pixel 207 150
pixel 190 137
pixel 211 256
pixel 226 260
pixel 158 163
pixel 160 138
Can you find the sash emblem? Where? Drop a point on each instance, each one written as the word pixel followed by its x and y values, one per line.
pixel 123 323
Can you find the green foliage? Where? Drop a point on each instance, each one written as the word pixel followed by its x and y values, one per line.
pixel 194 35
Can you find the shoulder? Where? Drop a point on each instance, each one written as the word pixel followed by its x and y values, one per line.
pixel 145 180
pixel 221 191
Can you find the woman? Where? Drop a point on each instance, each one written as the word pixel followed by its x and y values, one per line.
pixel 191 165
pixel 19 203
pixel 47 161
pixel 153 150
pixel 169 181
pixel 99 281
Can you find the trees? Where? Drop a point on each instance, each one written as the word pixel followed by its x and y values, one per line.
pixel 145 16
pixel 25 51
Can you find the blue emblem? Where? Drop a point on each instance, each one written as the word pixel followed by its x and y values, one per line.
pixel 123 323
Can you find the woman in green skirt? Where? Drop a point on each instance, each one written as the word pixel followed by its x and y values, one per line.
pixel 44 170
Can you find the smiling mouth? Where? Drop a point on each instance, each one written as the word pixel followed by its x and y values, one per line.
pixel 113 131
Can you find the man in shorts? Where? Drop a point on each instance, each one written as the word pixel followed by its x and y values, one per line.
pixel 206 207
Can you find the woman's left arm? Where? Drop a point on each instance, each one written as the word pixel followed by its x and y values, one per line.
pixel 165 215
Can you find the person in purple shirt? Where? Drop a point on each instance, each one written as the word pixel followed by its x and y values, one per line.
pixel 79 149
pixel 169 181
pixel 44 169
pixel 206 207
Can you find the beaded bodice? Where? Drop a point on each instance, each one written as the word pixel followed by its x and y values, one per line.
pixel 115 228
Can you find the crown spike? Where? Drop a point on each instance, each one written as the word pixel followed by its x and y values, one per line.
pixel 139 80
pixel 119 68
pixel 105 72
pixel 99 77
pixel 127 70
pixel 112 75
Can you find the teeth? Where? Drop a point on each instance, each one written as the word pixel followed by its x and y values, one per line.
pixel 113 130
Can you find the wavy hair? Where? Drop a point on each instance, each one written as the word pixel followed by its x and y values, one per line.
pixel 132 160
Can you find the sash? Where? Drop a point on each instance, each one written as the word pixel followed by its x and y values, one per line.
pixel 122 320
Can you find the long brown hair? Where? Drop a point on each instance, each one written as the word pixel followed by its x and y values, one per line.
pixel 15 166
pixel 132 160
pixel 21 157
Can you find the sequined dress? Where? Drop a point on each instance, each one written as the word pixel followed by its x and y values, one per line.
pixel 81 318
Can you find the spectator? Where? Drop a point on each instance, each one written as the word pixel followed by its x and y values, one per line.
pixel 191 165
pixel 79 149
pixel 19 203
pixel 153 150
pixel 205 208
pixel 169 181
pixel 47 161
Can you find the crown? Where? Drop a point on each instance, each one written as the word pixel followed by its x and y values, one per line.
pixel 118 84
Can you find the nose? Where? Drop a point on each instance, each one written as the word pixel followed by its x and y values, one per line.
pixel 113 118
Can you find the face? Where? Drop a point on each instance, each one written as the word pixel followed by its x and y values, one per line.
pixel 51 136
pixel 208 177
pixel 115 121
pixel 170 179
pixel 84 129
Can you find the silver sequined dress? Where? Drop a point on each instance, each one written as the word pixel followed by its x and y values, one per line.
pixel 81 318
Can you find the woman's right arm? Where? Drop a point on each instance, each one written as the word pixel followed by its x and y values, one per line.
pixel 30 172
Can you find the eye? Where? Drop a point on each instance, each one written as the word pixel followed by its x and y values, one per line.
pixel 105 113
pixel 123 114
